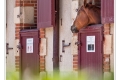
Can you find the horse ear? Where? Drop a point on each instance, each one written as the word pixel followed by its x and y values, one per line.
pixel 85 3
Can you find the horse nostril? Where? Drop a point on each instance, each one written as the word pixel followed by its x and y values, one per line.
pixel 71 28
pixel 74 29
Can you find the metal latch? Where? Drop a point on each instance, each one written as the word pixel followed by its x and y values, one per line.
pixel 7 48
pixel 78 43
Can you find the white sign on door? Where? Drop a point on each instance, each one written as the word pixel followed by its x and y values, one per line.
pixel 90 44
pixel 29 45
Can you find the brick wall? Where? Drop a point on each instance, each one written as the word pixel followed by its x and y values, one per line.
pixel 75 62
pixel 106 64
pixel 106 57
pixel 106 29
pixel 42 58
pixel 42 63
pixel 21 26
pixel 26 3
pixel 75 58
pixel 42 33
pixel 17 58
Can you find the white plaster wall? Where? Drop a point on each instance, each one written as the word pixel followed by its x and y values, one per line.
pixel 27 15
pixel 49 44
pixel 65 34
pixel 10 33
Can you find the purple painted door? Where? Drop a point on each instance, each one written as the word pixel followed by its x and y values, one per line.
pixel 90 51
pixel 107 11
pixel 29 40
pixel 45 13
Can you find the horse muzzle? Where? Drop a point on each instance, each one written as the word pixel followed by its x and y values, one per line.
pixel 74 29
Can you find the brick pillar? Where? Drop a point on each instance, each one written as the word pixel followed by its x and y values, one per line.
pixel 75 57
pixel 42 58
pixel 75 62
pixel 106 63
pixel 17 58
pixel 42 63
pixel 106 57
pixel 106 29
pixel 42 33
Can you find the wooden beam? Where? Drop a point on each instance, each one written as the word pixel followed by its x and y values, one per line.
pixel 56 38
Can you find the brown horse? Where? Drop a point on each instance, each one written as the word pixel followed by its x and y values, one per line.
pixel 88 14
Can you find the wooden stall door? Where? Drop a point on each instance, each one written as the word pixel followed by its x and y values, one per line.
pixel 90 52
pixel 107 11
pixel 29 40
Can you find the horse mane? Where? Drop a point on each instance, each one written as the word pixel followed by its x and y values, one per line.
pixel 89 6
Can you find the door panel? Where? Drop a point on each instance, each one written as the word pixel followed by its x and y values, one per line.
pixel 29 59
pixel 107 11
pixel 90 53
pixel 46 13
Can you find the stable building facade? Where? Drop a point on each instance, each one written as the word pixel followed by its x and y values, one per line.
pixel 38 37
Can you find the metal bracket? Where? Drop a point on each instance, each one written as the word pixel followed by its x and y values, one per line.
pixel 19 46
pixel 19 15
pixel 78 43
pixel 7 48
pixel 64 45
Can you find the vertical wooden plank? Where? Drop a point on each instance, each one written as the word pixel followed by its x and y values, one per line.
pixel 53 13
pixel 45 13
pixel 107 11
pixel 29 60
pixel 91 62
pixel 56 39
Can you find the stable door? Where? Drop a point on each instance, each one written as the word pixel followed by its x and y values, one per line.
pixel 29 40
pixel 90 52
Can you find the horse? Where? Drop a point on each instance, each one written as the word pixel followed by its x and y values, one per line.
pixel 88 14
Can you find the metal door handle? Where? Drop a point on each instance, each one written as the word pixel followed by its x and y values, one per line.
pixel 64 45
pixel 7 48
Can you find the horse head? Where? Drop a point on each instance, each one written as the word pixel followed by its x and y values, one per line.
pixel 88 14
